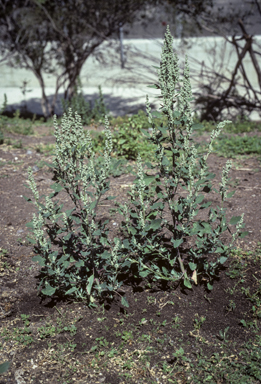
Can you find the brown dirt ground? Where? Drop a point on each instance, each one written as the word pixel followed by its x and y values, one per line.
pixel 18 294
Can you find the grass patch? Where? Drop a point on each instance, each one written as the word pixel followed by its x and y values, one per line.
pixel 168 338
pixel 233 146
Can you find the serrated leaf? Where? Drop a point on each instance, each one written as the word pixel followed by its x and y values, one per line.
pixel 155 224
pixel 39 259
pixel 48 290
pixel 235 220
pixel 124 302
pixel 132 230
pixel 177 243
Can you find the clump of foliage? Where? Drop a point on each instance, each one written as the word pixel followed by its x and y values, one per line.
pixel 87 263
pixel 87 110
pixel 127 139
pixel 239 145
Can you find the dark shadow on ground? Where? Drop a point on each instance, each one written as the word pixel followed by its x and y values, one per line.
pixel 117 105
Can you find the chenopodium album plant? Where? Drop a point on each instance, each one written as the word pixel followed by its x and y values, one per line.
pixel 176 202
pixel 75 251
pixel 85 264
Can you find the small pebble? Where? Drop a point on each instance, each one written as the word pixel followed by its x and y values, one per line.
pixel 35 168
pixel 29 152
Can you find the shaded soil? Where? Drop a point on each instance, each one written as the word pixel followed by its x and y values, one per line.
pixel 38 362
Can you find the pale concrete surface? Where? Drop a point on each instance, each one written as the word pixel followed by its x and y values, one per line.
pixel 125 89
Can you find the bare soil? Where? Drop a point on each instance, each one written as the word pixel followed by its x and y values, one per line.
pixel 35 363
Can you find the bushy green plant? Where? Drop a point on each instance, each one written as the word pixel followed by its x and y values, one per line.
pixel 127 140
pixel 87 110
pixel 86 263
pixel 181 187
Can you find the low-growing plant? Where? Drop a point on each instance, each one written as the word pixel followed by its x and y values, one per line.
pixel 76 253
pixel 232 146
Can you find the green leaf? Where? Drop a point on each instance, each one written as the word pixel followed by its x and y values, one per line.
pixel 199 199
pixel 187 283
pixel 27 198
pixel 48 290
pixel 156 114
pixel 4 367
pixel 153 86
pixel 165 161
pixel 243 234
pixel 39 259
pixel 144 273
pixel 192 266
pixel 110 198
pixel 56 187
pixel 197 126
pixel 222 259
pixel 163 130
pixel 145 132
pixel 230 194
pixel 124 302
pixel 132 230
pixel 79 264
pixel 148 179
pixel 30 224
pixel 90 283
pixel 69 212
pixel 73 289
pixel 165 271
pixel 210 286
pixel 219 250
pixel 177 243
pixel 235 220
pixel 155 224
